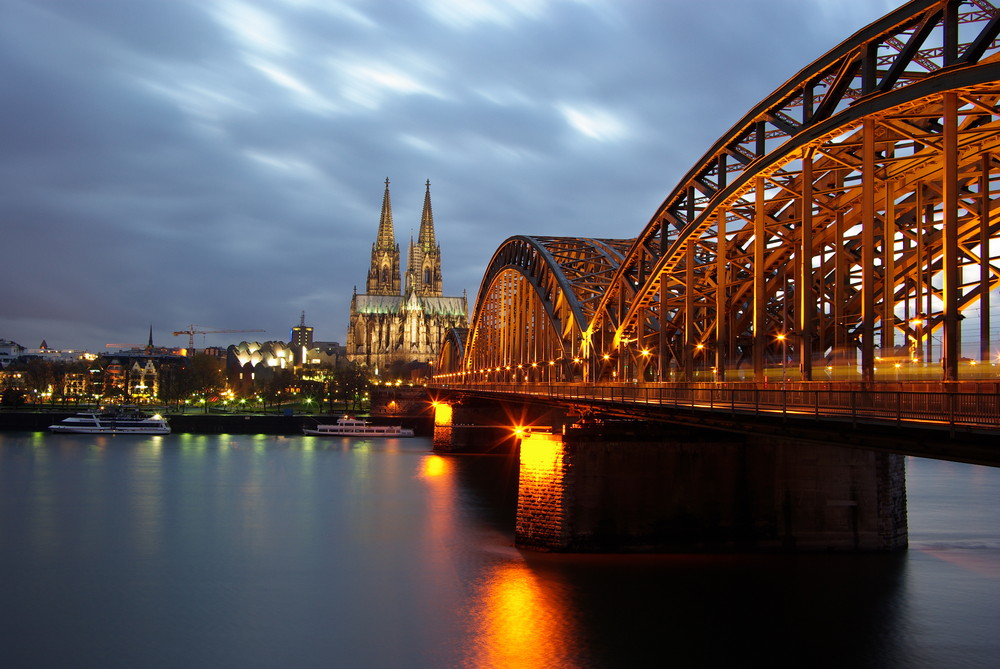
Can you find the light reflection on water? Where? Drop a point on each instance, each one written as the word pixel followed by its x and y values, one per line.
pixel 516 621
pixel 258 551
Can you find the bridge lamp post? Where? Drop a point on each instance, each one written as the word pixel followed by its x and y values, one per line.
pixel 698 348
pixel 601 370
pixel 784 354
pixel 918 328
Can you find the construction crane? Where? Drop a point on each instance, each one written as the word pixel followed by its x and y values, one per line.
pixel 191 332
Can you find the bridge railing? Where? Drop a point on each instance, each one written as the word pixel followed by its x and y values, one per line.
pixel 946 405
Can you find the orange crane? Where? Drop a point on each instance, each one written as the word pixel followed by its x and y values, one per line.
pixel 191 332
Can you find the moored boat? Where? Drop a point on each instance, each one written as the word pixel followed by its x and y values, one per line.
pixel 113 421
pixel 357 427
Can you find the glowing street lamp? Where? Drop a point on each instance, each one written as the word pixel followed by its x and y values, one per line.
pixel 784 354
pixel 698 348
pixel 917 323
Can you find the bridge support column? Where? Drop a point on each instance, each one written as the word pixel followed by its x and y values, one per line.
pixel 602 493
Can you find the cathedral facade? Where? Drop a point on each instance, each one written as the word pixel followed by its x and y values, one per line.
pixel 403 318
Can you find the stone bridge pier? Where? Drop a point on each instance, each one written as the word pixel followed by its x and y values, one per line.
pixel 634 486
pixel 616 491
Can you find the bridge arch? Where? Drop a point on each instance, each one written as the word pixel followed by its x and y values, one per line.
pixel 535 301
pixel 850 216
pixel 453 350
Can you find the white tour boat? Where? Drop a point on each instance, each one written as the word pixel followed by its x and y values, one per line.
pixel 356 427
pixel 121 421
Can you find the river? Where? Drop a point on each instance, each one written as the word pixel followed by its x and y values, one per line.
pixel 189 551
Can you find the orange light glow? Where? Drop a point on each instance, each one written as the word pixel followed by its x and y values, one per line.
pixel 442 414
pixel 435 466
pixel 540 452
pixel 519 622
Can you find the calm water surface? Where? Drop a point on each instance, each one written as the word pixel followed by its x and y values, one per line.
pixel 258 551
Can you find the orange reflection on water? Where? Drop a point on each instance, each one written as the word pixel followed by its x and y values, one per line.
pixel 520 621
pixel 984 563
pixel 439 518
pixel 435 466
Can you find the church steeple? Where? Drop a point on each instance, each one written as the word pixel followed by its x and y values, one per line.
pixel 412 280
pixel 426 261
pixel 383 277
pixel 388 326
pixel 426 238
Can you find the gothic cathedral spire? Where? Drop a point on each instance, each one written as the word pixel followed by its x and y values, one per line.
pixel 427 259
pixel 389 329
pixel 383 277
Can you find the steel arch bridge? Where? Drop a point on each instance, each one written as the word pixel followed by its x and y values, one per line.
pixel 847 222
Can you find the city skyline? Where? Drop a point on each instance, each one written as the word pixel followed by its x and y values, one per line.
pixel 169 164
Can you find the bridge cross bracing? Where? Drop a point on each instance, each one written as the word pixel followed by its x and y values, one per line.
pixel 846 228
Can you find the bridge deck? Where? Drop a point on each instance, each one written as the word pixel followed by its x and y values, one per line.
pixel 953 421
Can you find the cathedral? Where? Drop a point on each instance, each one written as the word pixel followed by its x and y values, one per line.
pixel 403 318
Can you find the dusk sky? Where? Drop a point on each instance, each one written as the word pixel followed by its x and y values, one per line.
pixel 222 163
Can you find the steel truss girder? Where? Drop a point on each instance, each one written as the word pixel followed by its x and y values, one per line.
pixel 535 300
pixel 453 349
pixel 870 123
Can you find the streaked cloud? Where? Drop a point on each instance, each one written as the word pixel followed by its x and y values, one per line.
pixel 160 156
pixel 594 122
pixel 468 13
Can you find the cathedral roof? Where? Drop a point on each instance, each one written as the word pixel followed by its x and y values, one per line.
pixel 446 306
pixel 395 304
pixel 378 304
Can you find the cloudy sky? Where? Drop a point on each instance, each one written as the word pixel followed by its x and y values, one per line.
pixel 222 162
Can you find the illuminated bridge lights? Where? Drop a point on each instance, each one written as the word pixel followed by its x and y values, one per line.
pixel 854 210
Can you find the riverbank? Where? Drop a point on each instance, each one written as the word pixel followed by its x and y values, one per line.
pixel 213 423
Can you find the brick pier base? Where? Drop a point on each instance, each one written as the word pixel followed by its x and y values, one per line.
pixel 706 492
